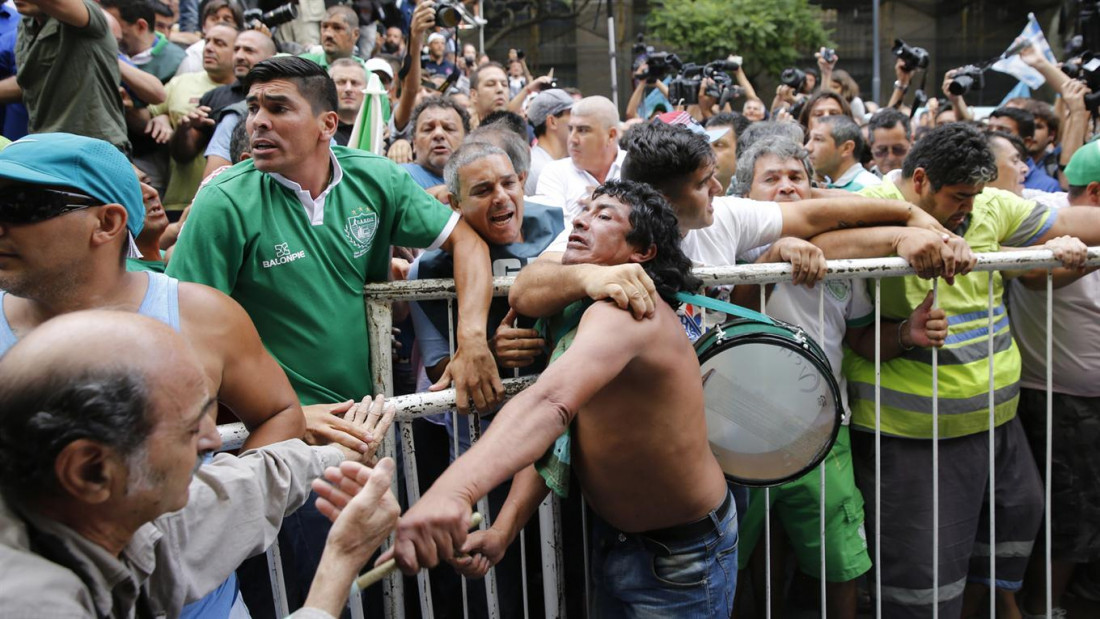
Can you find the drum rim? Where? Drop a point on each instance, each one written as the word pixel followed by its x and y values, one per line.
pixel 819 362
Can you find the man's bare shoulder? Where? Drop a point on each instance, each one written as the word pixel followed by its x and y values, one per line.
pixel 606 315
pixel 211 311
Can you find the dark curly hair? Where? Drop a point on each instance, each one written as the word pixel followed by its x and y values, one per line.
pixel 952 154
pixel 653 223
pixel 664 156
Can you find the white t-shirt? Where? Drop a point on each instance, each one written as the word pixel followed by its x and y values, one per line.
pixel 539 159
pixel 565 184
pixel 1075 354
pixel 739 225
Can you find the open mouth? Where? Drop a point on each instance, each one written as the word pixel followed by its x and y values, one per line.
pixel 261 145
pixel 502 219
pixel 576 242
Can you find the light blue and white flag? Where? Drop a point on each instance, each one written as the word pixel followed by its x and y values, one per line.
pixel 1012 64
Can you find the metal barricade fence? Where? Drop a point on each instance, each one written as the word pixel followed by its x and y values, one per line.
pixel 379 298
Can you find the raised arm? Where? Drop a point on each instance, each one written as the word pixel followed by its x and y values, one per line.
pixel 423 18
pixel 809 218
pixel 473 368
pixel 71 12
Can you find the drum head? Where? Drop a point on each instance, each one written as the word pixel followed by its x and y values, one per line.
pixel 772 408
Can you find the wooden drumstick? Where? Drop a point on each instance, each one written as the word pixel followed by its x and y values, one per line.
pixel 385 569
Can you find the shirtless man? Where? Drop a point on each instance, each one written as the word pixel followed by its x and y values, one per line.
pixel 69 211
pixel 630 395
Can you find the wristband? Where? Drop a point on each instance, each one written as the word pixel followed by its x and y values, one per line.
pixel 902 87
pixel 901 328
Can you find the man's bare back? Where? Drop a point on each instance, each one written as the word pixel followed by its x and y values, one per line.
pixel 640 442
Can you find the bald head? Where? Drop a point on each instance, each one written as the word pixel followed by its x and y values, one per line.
pixel 97 376
pixel 598 108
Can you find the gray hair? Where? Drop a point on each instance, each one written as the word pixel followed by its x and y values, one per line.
pixel 760 130
pixel 844 129
pixel 468 153
pixel 505 139
pixel 347 62
pixel 779 146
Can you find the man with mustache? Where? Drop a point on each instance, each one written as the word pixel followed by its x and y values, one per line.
pixel 339 33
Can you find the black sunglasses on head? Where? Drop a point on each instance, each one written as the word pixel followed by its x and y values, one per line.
pixel 30 204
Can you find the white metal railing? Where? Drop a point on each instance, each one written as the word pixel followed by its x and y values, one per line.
pixel 380 296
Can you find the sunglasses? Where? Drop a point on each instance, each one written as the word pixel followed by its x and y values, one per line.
pixel 29 205
pixel 899 150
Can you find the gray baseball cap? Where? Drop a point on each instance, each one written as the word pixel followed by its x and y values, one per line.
pixel 548 103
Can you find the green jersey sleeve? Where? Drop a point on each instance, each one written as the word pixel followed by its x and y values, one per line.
pixel 419 219
pixel 212 242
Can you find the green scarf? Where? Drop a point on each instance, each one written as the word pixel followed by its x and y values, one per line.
pixel 554 465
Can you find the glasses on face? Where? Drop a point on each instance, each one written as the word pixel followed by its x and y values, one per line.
pixel 29 205
pixel 899 150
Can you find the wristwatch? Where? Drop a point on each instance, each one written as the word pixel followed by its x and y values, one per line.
pixel 899 86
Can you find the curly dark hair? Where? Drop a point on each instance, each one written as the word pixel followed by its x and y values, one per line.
pixel 664 156
pixel 653 223
pixel 443 103
pixel 952 154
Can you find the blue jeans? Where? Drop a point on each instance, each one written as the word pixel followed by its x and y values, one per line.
pixel 639 577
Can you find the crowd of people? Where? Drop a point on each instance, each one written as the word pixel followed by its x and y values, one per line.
pixel 202 165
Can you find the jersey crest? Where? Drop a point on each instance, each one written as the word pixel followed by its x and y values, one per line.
pixel 360 230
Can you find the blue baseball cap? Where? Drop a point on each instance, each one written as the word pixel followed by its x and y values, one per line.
pixel 88 165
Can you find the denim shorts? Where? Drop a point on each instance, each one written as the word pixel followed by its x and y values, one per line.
pixel 635 575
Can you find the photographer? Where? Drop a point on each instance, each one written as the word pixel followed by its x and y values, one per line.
pixel 518 73
pixel 1076 117
pixel 641 94
pixel 958 103
pixel 423 20
pixel 910 59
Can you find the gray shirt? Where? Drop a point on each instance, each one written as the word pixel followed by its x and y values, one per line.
pixel 234 511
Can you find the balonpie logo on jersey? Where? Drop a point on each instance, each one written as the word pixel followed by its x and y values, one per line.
pixel 283 255
pixel 360 230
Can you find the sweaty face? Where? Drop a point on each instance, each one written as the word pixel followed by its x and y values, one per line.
pixel 823 152
pixel 251 47
pixel 283 129
pixel 599 234
pixel 753 110
pixel 691 200
pixel 438 134
pixel 951 204
pixel 779 180
pixel 890 148
pixel 337 37
pixel 824 107
pixel 217 53
pixel 492 199
pixel 1011 170
pixel 491 93
pixel 589 142
pixel 350 82
pixel 725 150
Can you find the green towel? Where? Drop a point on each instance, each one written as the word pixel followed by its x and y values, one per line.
pixel 554 465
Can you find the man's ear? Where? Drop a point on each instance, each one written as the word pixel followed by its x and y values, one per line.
pixel 920 179
pixel 111 221
pixel 644 256
pixel 329 122
pixel 613 134
pixel 1093 193
pixel 87 470
pixel 848 148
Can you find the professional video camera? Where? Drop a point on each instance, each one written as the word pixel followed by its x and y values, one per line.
pixel 913 57
pixel 273 18
pixel 794 78
pixel 659 65
pixel 685 86
pixel 966 79
pixel 1086 68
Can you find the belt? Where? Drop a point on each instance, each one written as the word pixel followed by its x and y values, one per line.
pixel 693 530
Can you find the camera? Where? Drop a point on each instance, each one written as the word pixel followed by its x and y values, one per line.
pixel 794 78
pixel 520 55
pixel 685 86
pixel 640 47
pixel 659 65
pixel 447 14
pixel 728 66
pixel 1086 68
pixel 966 79
pixel 913 58
pixel 273 18
pixel 828 54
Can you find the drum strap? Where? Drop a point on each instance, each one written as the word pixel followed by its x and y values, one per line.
pixel 723 306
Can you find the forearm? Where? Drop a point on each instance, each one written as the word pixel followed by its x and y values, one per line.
pixel 897 96
pixel 810 218
pixel 284 425
pixel 331 583
pixel 474 284
pixel 635 101
pixel 962 110
pixel 545 287
pixel 1036 279
pixel 1052 73
pixel 186 144
pixel 743 80
pixel 890 342
pixel 145 85
pixel 10 92
pixel 410 86
pixel 528 491
pixel 873 242
pixel 1075 127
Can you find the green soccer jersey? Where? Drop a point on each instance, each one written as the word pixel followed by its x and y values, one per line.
pixel 298 267
pixel 998 218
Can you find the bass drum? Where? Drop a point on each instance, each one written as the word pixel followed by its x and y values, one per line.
pixel 773 407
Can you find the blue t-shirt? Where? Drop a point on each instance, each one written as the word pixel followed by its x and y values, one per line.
pixel 1037 178
pixel 541 225
pixel 423 176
